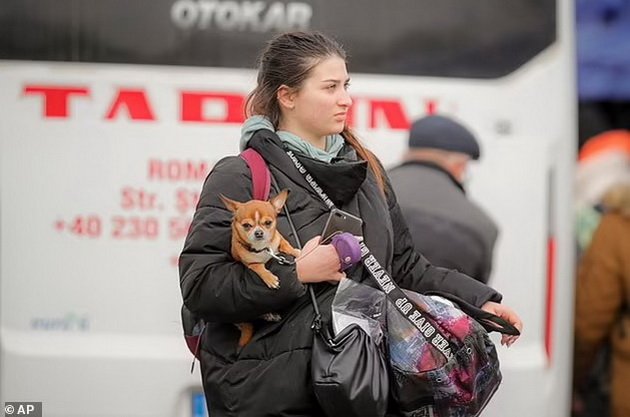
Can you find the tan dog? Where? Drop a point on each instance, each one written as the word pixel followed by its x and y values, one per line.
pixel 254 235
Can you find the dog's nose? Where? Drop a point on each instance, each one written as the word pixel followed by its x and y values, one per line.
pixel 259 234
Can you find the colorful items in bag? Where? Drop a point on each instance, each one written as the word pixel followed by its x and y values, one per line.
pixel 426 381
pixel 412 353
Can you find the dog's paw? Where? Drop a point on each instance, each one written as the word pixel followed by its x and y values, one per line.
pixel 272 281
pixel 296 253
pixel 271 317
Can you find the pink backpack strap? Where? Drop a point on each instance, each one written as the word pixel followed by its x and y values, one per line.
pixel 261 176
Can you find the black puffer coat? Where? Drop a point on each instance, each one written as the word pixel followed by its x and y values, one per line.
pixel 270 376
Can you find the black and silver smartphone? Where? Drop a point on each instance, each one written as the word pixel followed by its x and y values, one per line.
pixel 340 221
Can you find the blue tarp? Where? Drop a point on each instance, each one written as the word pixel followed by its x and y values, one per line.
pixel 603 49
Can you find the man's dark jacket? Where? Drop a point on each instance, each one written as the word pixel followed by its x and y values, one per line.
pixel 270 376
pixel 447 227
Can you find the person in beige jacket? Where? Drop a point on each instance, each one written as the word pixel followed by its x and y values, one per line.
pixel 602 311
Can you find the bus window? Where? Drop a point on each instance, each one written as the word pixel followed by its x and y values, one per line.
pixel 444 38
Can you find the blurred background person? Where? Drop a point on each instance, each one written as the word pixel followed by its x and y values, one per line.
pixel 450 229
pixel 602 312
pixel 603 161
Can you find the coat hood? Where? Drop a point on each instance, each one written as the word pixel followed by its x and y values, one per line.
pixel 340 178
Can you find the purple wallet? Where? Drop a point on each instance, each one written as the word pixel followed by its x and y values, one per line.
pixel 348 249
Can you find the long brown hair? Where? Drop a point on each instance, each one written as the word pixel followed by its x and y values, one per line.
pixel 288 59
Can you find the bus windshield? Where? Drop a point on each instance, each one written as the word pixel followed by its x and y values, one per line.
pixel 444 38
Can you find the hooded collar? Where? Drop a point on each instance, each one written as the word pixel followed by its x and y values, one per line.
pixel 340 178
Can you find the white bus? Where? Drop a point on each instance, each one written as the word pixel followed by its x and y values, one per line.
pixel 112 113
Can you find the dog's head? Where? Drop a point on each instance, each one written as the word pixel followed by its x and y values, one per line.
pixel 255 221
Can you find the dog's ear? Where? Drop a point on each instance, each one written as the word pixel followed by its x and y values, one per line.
pixel 230 204
pixel 278 201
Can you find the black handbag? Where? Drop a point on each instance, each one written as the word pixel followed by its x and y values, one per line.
pixel 349 372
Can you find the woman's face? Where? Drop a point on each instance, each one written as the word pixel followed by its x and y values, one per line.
pixel 320 106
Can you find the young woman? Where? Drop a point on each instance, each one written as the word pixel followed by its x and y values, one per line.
pixel 300 104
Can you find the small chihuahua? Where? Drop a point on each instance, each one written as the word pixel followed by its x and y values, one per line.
pixel 254 239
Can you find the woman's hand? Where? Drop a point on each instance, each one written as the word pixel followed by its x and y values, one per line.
pixel 318 263
pixel 508 315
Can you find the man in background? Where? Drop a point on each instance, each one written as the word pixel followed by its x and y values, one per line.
pixel 447 228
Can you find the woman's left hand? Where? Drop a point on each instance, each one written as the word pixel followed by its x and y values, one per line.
pixel 507 314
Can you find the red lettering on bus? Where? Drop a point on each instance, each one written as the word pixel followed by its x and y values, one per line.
pixel 431 106
pixel 215 107
pixel 391 110
pixel 136 103
pixel 192 106
pixel 350 119
pixel 56 98
pixel 174 170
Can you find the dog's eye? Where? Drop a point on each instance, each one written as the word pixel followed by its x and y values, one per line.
pixel 247 226
pixel 268 223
